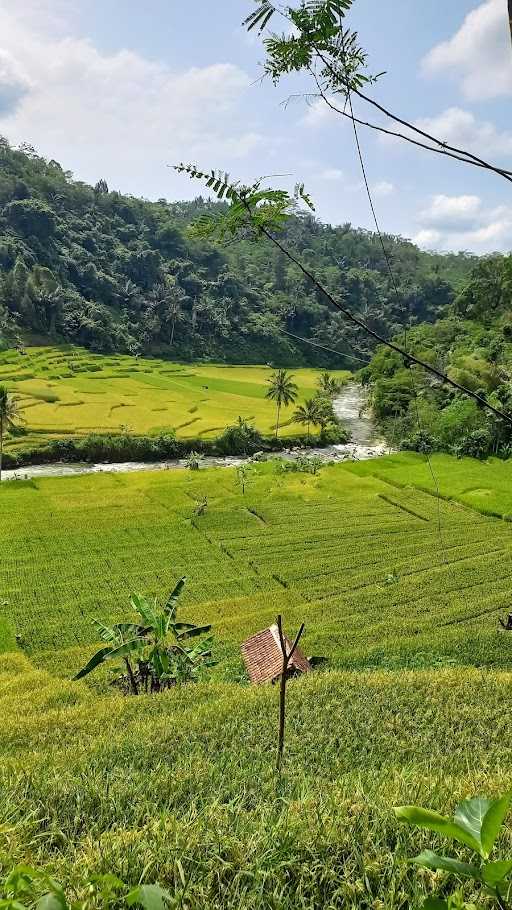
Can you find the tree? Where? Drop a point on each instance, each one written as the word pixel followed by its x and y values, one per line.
pixel 325 411
pixel 329 386
pixel 101 188
pixel 308 413
pixel 320 44
pixel 256 212
pixel 153 651
pixel 282 390
pixel 9 417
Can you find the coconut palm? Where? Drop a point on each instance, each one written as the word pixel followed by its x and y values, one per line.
pixel 325 411
pixel 328 385
pixel 9 417
pixel 308 413
pixel 282 390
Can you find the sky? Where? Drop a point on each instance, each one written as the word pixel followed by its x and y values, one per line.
pixel 122 90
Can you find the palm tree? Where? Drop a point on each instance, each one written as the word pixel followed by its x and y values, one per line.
pixel 9 416
pixel 281 390
pixel 308 413
pixel 328 385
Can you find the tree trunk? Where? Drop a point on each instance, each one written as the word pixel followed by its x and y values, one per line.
pixel 131 677
pixel 277 421
pixel 172 332
pixel 308 430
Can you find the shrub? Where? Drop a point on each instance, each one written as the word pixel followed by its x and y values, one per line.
pixel 241 439
pixel 155 652
pixel 334 434
pixel 477 444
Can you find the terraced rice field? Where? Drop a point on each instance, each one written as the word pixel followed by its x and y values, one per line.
pixel 180 788
pixel 364 563
pixel 68 391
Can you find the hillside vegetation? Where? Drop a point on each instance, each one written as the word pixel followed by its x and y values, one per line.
pixel 70 392
pixel 118 274
pixel 472 343
pixel 181 787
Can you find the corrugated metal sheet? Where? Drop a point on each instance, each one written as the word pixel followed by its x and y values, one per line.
pixel 263 657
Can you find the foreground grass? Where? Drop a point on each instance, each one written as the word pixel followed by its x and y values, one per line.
pixel 181 787
pixel 70 391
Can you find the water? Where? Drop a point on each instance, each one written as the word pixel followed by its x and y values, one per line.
pixel 349 406
pixel 352 408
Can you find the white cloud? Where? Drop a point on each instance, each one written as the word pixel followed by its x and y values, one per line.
pixel 332 174
pixel 117 115
pixel 319 114
pixel 463 223
pixel 383 188
pixel 479 53
pixel 461 128
pixel 14 84
pixel 428 239
pixel 451 212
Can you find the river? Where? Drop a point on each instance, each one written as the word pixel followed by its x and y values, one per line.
pixel 350 407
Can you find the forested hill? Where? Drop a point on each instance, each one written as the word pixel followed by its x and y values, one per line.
pixel 117 273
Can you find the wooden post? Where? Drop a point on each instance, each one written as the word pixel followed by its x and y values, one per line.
pixel 282 687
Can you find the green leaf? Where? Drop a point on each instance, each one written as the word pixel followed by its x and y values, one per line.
pixel 108 881
pixel 493 821
pixel 172 601
pixel 106 633
pixel 430 860
pixel 144 609
pixel 426 818
pixel 126 648
pixel 192 632
pixel 260 16
pixel 470 815
pixel 435 903
pixel 8 904
pixel 150 897
pixel 492 873
pixel 52 901
pixel 94 662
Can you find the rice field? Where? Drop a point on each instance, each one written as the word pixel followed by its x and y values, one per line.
pixel 400 592
pixel 68 391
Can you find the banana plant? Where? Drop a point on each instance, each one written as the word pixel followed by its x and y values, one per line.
pixel 154 651
pixel 476 825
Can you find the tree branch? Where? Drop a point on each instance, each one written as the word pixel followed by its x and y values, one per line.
pixel 423 145
pixel 475 160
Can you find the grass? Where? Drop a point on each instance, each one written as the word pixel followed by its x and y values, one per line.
pixel 181 787
pixel 482 485
pixel 69 391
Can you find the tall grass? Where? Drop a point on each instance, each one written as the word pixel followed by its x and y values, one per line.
pixel 143 786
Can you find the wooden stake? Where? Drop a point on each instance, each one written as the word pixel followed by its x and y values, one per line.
pixel 282 687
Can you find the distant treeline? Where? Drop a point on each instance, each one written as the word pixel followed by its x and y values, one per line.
pixel 119 274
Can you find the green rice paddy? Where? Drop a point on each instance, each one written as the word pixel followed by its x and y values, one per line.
pixel 68 391
pixel 400 592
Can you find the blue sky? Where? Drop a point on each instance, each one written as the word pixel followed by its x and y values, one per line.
pixel 121 90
